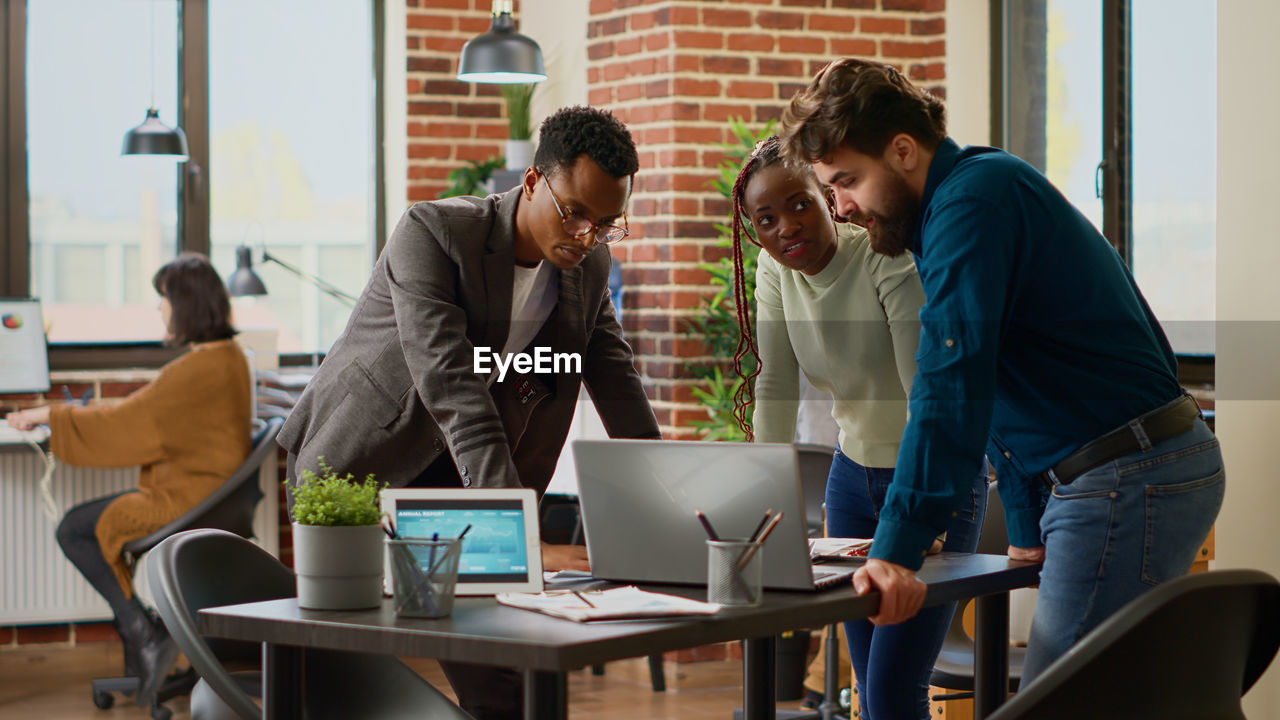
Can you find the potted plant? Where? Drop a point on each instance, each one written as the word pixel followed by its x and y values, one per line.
pixel 337 541
pixel 519 126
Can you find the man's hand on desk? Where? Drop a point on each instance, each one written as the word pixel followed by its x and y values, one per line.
pixel 28 419
pixel 901 593
pixel 564 557
pixel 1035 554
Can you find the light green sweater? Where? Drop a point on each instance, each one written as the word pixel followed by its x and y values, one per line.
pixel 853 329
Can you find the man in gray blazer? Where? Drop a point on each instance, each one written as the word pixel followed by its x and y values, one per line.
pixel 416 390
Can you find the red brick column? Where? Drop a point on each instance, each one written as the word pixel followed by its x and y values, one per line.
pixel 450 121
pixel 675 72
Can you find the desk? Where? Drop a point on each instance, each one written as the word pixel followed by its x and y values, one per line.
pixel 482 631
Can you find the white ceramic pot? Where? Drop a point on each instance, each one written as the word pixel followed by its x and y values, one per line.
pixel 519 154
pixel 338 568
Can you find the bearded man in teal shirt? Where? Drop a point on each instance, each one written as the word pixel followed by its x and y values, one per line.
pixel 1036 347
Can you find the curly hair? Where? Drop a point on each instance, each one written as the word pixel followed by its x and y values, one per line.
pixel 198 301
pixel 766 153
pixel 579 130
pixel 860 104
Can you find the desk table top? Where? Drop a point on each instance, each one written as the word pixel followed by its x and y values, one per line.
pixel 484 632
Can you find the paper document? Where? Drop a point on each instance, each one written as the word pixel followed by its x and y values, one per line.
pixel 838 548
pixel 624 603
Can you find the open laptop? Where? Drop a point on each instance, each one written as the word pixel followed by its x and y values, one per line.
pixel 638 497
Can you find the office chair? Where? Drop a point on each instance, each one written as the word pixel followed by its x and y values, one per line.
pixel 197 569
pixel 1184 650
pixel 230 508
pixel 953 670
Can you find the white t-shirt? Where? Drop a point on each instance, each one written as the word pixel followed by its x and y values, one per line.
pixel 534 293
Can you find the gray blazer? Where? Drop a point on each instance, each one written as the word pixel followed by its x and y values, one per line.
pixel 398 388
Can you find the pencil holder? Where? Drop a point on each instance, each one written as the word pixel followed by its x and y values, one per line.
pixel 424 575
pixel 735 572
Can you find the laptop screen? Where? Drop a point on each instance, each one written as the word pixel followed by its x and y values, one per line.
pixel 24 356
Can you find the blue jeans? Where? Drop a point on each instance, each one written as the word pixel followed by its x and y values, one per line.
pixel 1118 530
pixel 893 663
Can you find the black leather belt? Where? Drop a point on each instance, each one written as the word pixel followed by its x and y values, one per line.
pixel 1166 421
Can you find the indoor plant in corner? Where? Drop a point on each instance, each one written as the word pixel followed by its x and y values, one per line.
pixel 337 541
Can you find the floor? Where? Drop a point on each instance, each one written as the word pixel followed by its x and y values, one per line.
pixel 52 683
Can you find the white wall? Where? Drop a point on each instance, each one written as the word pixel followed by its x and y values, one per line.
pixel 968 71
pixel 1248 256
pixel 395 133
pixel 563 53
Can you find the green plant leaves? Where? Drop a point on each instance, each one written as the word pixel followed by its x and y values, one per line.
pixel 331 499
pixel 717 322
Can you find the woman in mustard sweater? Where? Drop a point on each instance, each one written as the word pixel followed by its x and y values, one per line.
pixel 188 430
pixel 848 318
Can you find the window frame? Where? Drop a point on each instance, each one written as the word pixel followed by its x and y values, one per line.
pixel 1115 170
pixel 193 175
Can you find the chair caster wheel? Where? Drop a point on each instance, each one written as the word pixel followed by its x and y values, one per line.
pixel 160 712
pixel 103 700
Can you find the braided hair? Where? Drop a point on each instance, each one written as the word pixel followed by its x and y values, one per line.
pixel 766 153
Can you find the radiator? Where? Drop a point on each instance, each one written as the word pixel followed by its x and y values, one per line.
pixel 38 585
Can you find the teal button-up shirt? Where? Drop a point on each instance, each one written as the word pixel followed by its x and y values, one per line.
pixel 1034 341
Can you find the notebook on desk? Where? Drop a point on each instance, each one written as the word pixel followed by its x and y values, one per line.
pixel 638 496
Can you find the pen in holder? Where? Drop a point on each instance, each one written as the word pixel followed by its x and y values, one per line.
pixel 735 572
pixel 424 575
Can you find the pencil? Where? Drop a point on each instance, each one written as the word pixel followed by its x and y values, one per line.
pixel 584 599
pixel 706 525
pixel 463 533
pixel 751 551
pixel 754 533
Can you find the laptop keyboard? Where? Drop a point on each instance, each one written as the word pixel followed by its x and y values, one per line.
pixel 824 579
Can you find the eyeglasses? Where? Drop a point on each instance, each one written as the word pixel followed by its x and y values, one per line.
pixel 577 225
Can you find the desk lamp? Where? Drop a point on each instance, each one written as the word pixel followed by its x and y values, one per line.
pixel 244 281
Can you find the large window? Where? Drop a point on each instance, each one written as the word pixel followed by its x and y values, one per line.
pixel 278 102
pixel 100 223
pixel 292 156
pixel 1114 101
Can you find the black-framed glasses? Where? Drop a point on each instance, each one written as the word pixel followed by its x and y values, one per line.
pixel 577 225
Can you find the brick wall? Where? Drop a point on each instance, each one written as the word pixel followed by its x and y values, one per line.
pixel 675 72
pixel 450 122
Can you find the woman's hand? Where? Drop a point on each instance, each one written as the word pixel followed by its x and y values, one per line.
pixel 564 557
pixel 28 419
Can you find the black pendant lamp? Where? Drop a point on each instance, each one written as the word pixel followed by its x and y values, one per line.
pixel 501 55
pixel 153 137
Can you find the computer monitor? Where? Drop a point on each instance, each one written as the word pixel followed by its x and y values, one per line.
pixel 24 355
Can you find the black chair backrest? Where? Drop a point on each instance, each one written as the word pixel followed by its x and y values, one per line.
pixel 1188 648
pixel 204 568
pixel 994 539
pixel 231 506
pixel 815 466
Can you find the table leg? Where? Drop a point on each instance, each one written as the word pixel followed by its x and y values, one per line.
pixel 990 654
pixel 759 693
pixel 546 695
pixel 281 681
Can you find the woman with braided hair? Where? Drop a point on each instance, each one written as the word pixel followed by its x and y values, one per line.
pixel 847 317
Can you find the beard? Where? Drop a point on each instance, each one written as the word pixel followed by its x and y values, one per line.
pixel 892 231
